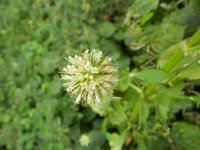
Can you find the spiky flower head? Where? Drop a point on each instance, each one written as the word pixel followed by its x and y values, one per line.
pixel 90 77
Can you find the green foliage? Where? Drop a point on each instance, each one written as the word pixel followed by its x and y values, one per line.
pixel 185 136
pixel 156 46
pixel 151 75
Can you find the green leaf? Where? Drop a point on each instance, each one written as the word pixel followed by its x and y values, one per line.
pixel 106 29
pixel 116 140
pixel 176 53
pixel 162 105
pixel 117 113
pixel 158 143
pixel 144 113
pixel 192 72
pixel 140 141
pixel 146 17
pixel 195 39
pixel 163 110
pixel 100 108
pixel 151 75
pixel 170 100
pixel 136 109
pixel 124 80
pixel 171 57
pixel 141 144
pixel 185 136
pixel 143 7
pixel 165 35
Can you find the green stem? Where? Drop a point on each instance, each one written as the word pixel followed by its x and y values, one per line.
pixel 137 89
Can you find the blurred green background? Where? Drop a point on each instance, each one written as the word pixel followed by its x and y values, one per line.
pixel 35 38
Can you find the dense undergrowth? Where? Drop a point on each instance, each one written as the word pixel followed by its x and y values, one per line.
pixel 156 46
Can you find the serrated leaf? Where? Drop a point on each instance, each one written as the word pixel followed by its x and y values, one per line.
pixel 185 136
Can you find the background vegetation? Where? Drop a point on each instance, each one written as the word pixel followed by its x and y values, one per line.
pixel 156 44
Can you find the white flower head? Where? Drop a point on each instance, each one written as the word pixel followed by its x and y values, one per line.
pixel 89 77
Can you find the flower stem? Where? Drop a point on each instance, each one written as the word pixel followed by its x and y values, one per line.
pixel 137 89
